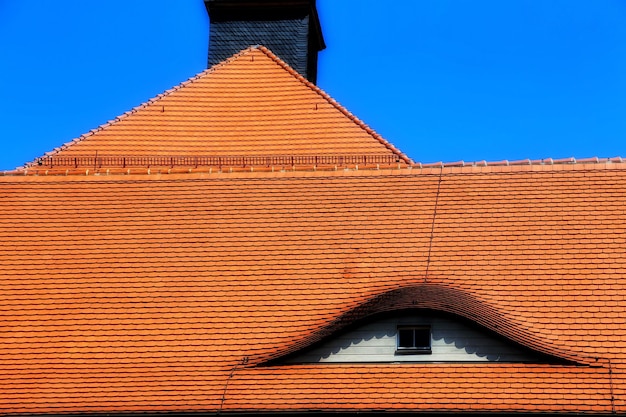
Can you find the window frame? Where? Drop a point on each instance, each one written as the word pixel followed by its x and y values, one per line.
pixel 414 349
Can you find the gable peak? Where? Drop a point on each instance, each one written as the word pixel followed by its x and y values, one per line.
pixel 240 112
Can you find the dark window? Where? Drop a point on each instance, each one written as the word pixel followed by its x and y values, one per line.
pixel 413 340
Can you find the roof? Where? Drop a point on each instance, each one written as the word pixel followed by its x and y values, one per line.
pixel 171 292
pixel 252 105
pixel 183 289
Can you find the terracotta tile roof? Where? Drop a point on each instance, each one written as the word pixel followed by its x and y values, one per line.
pixel 165 292
pixel 252 105
pixel 163 279
pixel 410 388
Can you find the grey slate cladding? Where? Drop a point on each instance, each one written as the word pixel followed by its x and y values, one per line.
pixel 289 28
pixel 288 39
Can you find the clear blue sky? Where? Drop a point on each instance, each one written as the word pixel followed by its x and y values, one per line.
pixel 443 80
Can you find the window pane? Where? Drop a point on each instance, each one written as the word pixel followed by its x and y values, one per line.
pixel 422 337
pixel 405 338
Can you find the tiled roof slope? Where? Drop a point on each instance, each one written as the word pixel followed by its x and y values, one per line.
pixel 250 105
pixel 162 293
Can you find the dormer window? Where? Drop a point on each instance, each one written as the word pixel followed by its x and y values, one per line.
pixel 415 336
pixel 413 340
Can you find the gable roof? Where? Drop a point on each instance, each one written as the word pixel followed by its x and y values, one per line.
pixel 250 105
pixel 160 293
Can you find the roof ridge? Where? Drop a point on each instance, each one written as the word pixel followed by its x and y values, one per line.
pixel 296 162
pixel 545 161
pixel 334 103
pixel 366 168
pixel 138 107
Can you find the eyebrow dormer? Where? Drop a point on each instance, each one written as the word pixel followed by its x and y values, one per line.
pixel 416 336
pixel 427 322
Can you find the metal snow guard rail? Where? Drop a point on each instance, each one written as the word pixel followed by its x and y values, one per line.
pixel 218 161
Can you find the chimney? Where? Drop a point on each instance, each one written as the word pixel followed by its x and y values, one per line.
pixel 289 28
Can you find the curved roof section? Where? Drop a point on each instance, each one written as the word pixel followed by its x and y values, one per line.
pixel 252 104
pixel 443 297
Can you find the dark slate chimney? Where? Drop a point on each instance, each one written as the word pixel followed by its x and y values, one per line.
pixel 289 28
